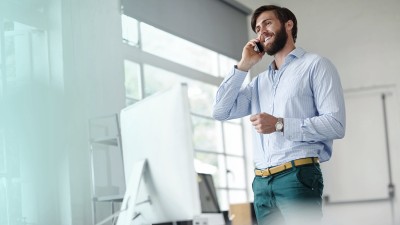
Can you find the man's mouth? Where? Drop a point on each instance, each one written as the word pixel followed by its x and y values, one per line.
pixel 267 38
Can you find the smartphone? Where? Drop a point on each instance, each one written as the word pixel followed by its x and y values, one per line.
pixel 258 47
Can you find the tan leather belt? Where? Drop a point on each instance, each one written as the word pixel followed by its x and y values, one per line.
pixel 276 169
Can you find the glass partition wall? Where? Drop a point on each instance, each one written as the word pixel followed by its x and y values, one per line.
pixel 23 69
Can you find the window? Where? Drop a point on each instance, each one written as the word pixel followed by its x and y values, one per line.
pixel 233 138
pixel 207 135
pixel 225 64
pixel 178 50
pixel 168 46
pixel 129 32
pixel 219 147
pixel 132 82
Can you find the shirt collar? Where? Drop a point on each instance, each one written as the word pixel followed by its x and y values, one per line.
pixel 296 53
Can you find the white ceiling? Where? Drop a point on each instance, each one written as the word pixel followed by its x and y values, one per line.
pixel 253 4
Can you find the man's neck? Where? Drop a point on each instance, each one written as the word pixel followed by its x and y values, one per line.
pixel 281 55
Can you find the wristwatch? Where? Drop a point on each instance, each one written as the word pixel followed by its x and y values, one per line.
pixel 279 125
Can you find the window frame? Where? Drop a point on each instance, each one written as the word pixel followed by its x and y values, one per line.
pixel 134 53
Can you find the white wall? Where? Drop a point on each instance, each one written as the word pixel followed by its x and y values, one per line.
pixel 93 86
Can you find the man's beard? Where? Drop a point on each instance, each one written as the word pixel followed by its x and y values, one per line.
pixel 279 42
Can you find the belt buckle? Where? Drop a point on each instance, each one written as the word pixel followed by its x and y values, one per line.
pixel 269 173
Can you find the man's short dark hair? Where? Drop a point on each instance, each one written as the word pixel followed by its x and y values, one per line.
pixel 283 15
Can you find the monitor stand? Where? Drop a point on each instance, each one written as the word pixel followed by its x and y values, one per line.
pixel 127 213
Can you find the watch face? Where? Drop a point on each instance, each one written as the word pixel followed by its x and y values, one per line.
pixel 279 126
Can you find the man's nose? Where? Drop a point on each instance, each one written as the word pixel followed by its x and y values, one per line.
pixel 262 33
pixel 261 36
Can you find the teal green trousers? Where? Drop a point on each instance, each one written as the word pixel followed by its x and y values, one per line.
pixel 293 196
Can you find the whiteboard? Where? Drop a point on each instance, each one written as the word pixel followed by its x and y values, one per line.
pixel 358 169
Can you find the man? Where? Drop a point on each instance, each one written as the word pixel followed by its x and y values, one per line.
pixel 297 110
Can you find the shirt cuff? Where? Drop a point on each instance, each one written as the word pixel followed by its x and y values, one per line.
pixel 292 129
pixel 236 74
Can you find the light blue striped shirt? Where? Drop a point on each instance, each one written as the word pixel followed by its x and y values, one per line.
pixel 306 92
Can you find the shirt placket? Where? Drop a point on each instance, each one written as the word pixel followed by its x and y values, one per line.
pixel 275 80
pixel 273 77
pixel 276 77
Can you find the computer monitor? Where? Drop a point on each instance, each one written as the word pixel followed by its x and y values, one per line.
pixel 157 146
pixel 208 194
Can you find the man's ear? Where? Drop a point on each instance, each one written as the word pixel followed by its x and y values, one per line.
pixel 289 25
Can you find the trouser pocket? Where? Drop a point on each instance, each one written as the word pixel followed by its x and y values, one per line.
pixel 310 176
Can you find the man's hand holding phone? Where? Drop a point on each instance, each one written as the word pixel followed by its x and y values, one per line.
pixel 252 53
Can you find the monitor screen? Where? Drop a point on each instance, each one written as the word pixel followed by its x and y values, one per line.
pixel 158 129
pixel 208 195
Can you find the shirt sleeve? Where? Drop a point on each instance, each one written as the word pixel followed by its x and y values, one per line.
pixel 232 101
pixel 330 121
